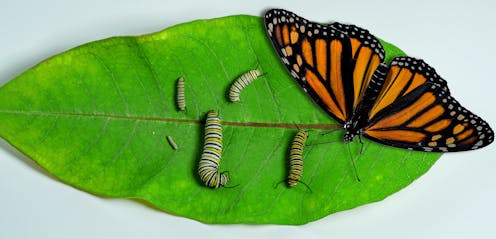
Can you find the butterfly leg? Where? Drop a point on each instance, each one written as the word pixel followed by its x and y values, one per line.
pixel 361 143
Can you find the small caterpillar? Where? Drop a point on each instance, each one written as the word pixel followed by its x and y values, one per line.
pixel 296 158
pixel 180 100
pixel 171 142
pixel 241 82
pixel 208 168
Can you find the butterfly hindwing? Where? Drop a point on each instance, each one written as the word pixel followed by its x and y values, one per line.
pixel 415 110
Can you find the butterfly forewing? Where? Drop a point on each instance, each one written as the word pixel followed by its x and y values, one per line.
pixel 333 63
pixel 372 91
pixel 317 56
pixel 415 110
pixel 405 74
pixel 366 52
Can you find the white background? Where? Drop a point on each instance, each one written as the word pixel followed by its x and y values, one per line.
pixel 455 199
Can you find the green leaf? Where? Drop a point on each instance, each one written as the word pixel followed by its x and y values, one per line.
pixel 97 116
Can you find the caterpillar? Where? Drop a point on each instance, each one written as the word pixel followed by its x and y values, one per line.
pixel 208 168
pixel 240 83
pixel 296 158
pixel 171 142
pixel 180 100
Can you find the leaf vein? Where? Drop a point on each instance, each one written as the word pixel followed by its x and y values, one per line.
pixel 114 81
pixel 152 71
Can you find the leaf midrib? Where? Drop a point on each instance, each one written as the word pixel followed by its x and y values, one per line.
pixel 176 120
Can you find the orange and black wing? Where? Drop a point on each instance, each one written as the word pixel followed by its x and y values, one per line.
pixel 367 54
pixel 333 67
pixel 414 110
pixel 317 56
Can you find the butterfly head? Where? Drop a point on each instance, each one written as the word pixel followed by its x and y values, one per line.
pixel 351 131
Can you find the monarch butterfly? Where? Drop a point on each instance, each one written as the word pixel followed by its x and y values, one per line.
pixel 241 82
pixel 405 104
pixel 180 100
pixel 208 168
pixel 296 158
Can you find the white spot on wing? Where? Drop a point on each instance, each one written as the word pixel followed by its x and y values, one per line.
pixel 285 61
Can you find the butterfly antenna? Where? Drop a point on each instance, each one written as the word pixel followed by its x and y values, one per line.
pixel 328 132
pixel 353 163
pixel 299 129
pixel 328 142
